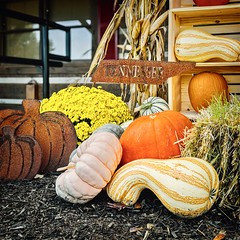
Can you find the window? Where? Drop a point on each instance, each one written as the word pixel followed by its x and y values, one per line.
pixel 78 16
pixel 22 39
pixel 81 40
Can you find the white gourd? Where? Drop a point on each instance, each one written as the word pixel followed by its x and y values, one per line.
pixel 197 45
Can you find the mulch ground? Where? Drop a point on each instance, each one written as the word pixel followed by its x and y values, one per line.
pixel 32 210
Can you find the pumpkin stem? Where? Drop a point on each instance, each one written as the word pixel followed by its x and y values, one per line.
pixel 8 131
pixel 31 107
pixel 65 168
pixel 137 109
pixel 146 105
pixel 143 106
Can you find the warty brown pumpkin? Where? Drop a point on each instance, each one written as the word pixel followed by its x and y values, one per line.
pixel 7 112
pixel 21 156
pixel 53 131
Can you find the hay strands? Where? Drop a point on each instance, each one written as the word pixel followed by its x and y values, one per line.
pixel 215 137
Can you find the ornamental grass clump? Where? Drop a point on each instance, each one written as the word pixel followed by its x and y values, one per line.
pixel 87 108
pixel 215 137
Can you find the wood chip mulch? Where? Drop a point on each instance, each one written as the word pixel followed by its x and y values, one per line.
pixel 30 209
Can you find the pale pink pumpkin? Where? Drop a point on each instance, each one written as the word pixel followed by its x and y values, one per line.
pixel 90 168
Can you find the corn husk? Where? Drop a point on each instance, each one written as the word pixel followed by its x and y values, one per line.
pixel 103 44
pixel 144 40
pixel 144 20
pixel 215 137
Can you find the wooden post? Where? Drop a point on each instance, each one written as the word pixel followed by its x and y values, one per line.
pixel 32 90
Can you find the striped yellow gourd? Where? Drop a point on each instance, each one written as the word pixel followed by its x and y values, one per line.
pixel 186 186
pixel 197 45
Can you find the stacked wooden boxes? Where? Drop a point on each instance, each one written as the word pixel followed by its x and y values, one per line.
pixel 221 20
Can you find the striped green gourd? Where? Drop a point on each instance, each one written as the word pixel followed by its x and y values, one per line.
pixel 153 105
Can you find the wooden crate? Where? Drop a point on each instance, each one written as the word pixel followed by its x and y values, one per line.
pixel 189 3
pixel 218 20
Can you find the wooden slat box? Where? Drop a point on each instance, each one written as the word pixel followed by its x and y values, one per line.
pixel 189 3
pixel 221 20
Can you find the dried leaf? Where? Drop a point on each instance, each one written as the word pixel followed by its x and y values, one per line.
pixel 38 176
pixel 103 45
pixel 221 235
pixel 145 31
pixel 135 229
pixel 158 22
pixel 150 226
pixel 137 29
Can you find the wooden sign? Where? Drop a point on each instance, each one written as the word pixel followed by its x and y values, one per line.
pixel 139 71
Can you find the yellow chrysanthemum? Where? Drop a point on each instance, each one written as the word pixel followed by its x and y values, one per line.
pixel 87 108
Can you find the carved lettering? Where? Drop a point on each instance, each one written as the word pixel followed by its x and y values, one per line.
pixel 110 71
pixel 134 71
pixel 139 71
pixel 148 72
pixel 122 70
pixel 129 71
pixel 154 72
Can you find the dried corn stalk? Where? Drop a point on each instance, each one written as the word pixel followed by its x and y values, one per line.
pixel 144 29
pixel 144 40
pixel 103 44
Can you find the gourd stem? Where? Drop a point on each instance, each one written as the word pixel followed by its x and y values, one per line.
pixel 146 105
pixel 31 107
pixel 65 168
pixel 143 106
pixel 137 109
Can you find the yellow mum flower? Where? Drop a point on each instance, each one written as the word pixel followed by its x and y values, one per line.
pixel 87 108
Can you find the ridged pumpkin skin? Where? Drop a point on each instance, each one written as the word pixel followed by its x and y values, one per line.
pixel 21 156
pixel 153 105
pixel 116 129
pixel 154 136
pixel 8 112
pixel 204 86
pixel 53 131
pixel 186 186
pixel 92 165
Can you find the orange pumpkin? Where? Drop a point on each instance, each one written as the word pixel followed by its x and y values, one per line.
pixel 21 156
pixel 204 86
pixel 154 136
pixel 53 131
